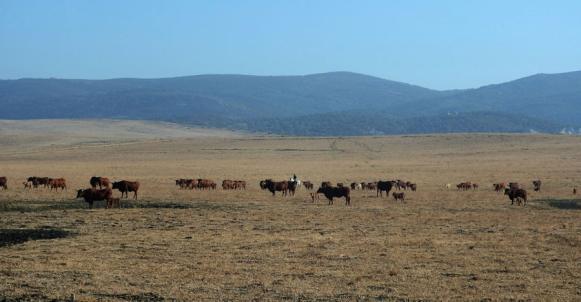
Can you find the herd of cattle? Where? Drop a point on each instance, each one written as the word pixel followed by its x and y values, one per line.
pixel 104 192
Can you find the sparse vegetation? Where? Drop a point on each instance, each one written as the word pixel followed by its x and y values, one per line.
pixel 246 245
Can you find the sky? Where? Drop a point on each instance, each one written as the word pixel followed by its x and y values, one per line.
pixel 436 44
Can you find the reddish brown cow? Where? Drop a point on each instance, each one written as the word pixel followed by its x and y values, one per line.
pixel 92 195
pixel 125 186
pixel 57 183
pixel 308 185
pixel 206 184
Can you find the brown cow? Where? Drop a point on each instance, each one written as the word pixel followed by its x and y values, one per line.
pixel 57 183
pixel 331 192
pixel 274 186
pixel 27 185
pixel 308 185
pixel 92 195
pixel 227 184
pixel 398 196
pixel 4 182
pixel 125 186
pixel 99 181
pixel 413 186
pixel 206 184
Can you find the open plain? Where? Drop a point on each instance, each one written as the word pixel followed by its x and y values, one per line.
pixel 192 245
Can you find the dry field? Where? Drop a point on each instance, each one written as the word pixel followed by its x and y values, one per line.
pixel 183 245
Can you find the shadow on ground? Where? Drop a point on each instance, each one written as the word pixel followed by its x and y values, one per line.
pixel 17 236
pixel 564 204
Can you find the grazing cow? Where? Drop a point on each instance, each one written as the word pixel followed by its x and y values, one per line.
pixel 384 186
pixel 400 184
pixel 398 196
pixel 113 203
pixel 464 186
pixel 498 187
pixel 474 186
pixel 102 182
pixel 413 187
pixel 332 192
pixel 537 185
pixel 240 184
pixel 516 194
pixel 92 195
pixel 36 181
pixel 27 185
pixel 206 184
pixel 274 186
pixel 4 182
pixel 227 184
pixel 57 183
pixel 372 186
pixel 308 185
pixel 125 186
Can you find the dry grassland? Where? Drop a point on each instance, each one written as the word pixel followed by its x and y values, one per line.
pixel 247 245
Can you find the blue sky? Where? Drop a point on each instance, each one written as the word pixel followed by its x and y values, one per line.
pixel 436 44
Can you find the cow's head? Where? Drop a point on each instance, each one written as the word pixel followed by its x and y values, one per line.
pixel 80 193
pixel 115 185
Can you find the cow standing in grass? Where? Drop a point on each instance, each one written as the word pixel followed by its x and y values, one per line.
pixel 332 192
pixel 125 186
pixel 384 186
pixel 92 195
pixel 517 195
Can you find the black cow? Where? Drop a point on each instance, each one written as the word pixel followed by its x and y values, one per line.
pixel 384 186
pixel 331 192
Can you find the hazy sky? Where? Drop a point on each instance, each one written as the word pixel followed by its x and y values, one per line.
pixel 437 44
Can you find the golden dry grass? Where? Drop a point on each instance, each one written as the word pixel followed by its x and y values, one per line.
pixel 245 245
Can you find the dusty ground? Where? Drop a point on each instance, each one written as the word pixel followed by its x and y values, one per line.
pixel 245 245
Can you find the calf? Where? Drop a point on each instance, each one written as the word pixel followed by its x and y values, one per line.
pixel 113 203
pixel 398 196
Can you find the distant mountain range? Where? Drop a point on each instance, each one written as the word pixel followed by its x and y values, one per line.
pixel 336 103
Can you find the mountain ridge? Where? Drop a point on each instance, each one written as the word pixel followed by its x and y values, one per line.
pixel 232 99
